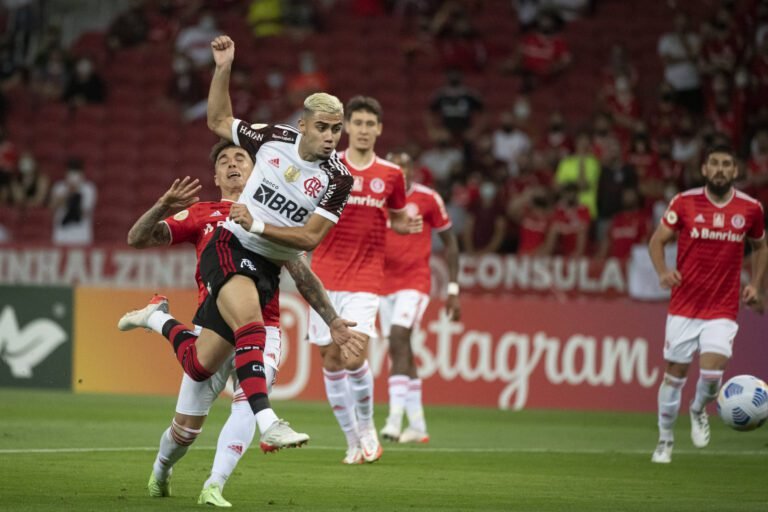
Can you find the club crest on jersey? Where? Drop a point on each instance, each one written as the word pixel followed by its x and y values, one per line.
pixel 183 214
pixel 312 187
pixel 246 263
pixel 377 185
pixel 292 174
pixel 671 217
pixel 718 220
pixel 738 221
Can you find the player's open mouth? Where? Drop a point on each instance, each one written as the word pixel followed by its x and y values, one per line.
pixel 234 174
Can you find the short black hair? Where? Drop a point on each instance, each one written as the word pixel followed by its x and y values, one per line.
pixel 719 148
pixel 364 103
pixel 221 146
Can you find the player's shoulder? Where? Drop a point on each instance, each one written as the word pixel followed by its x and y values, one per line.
pixel 262 132
pixel 386 164
pixel 424 190
pixel 334 167
pixel 750 201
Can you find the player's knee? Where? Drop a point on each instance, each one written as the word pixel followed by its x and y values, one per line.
pixel 184 435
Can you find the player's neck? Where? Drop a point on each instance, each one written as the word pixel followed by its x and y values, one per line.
pixel 360 158
pixel 231 195
pixel 719 198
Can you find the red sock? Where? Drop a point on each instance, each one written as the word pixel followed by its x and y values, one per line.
pixel 183 341
pixel 249 361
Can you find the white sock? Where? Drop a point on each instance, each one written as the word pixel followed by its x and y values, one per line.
pixel 398 389
pixel 669 405
pixel 337 391
pixel 413 407
pixel 174 443
pixel 265 418
pixel 234 439
pixel 157 320
pixel 706 388
pixel 361 385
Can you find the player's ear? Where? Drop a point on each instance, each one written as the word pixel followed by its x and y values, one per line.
pixel 302 126
pixel 216 179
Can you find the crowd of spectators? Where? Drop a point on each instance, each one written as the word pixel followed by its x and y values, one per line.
pixel 517 180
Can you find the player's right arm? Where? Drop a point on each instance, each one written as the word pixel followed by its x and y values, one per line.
pixel 149 230
pixel 220 117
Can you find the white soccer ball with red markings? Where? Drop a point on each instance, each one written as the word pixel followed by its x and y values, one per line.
pixel 743 402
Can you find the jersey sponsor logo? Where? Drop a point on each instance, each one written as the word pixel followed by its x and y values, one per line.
pixel 252 131
pixel 710 234
pixel 671 217
pixel 284 135
pixel 292 174
pixel 378 185
pixel 738 221
pixel 183 214
pixel 275 162
pixel 718 220
pixel 312 187
pixel 217 213
pixel 246 263
pixel 277 202
pixel 699 218
pixel 366 201
pixel 357 185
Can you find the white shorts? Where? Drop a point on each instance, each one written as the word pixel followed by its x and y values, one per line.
pixel 404 308
pixel 359 307
pixel 684 336
pixel 196 398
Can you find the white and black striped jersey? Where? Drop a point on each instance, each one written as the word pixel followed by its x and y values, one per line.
pixel 284 189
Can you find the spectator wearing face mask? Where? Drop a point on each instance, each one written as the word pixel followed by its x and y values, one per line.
pixel 85 85
pixel 29 188
pixel 485 225
pixel 510 142
pixel 532 211
pixel 72 202
pixel 626 229
pixel 569 230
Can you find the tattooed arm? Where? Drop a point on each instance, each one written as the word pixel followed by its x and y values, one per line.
pixel 311 288
pixel 148 231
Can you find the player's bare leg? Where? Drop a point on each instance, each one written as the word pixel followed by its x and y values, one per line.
pixel 238 303
pixel 711 371
pixel 670 392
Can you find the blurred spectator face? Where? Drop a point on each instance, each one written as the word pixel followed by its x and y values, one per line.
pixel 74 177
pixel 546 23
pixel 611 150
pixel 685 128
pixel 570 195
pixel 630 199
pixel 622 85
pixel 181 65
pixel 583 143
pixel 207 22
pixel 84 68
pixel 602 126
pixel 721 82
pixel 681 23
pixel 487 192
pixel 507 122
pixel 307 63
pixel 522 109
pixel 27 164
pixel 664 148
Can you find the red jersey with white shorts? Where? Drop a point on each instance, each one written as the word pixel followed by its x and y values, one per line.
pixel 351 257
pixel 196 225
pixel 710 251
pixel 406 262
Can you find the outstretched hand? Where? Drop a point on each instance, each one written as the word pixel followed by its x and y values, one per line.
pixel 182 194
pixel 223 48
pixel 351 343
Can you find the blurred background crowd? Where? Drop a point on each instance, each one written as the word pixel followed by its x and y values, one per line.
pixel 548 126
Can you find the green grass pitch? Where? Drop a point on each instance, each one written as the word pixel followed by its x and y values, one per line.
pixel 65 452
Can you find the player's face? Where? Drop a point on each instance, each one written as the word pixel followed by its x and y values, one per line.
pixel 719 171
pixel 320 132
pixel 233 167
pixel 363 128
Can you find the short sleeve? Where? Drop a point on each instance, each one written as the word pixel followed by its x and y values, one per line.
pixel 671 218
pixel 757 229
pixel 396 199
pixel 336 195
pixel 250 137
pixel 438 216
pixel 183 227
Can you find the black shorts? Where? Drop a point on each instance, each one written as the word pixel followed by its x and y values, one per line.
pixel 222 258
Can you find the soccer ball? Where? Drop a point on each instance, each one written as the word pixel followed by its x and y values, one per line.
pixel 743 402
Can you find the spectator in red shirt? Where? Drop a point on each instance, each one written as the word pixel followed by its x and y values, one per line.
pixel 645 161
pixel 569 230
pixel 533 214
pixel 757 168
pixel 485 226
pixel 627 228
pixel 542 54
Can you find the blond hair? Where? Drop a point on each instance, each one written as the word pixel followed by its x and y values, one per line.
pixel 322 102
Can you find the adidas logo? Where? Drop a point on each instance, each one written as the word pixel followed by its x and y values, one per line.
pixel 217 213
pixel 275 162
pixel 237 448
pixel 699 218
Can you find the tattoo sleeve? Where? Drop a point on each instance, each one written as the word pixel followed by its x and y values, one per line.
pixel 148 231
pixel 311 288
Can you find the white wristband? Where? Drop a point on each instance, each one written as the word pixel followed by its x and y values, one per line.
pixel 453 288
pixel 257 226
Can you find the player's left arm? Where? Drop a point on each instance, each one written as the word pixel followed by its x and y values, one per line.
pixel 451 243
pixel 304 238
pixel 311 288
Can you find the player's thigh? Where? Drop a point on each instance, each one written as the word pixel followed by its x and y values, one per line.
pixel 409 308
pixel 361 308
pixel 681 338
pixel 716 342
pixel 318 331
pixel 386 309
pixel 212 350
pixel 238 302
